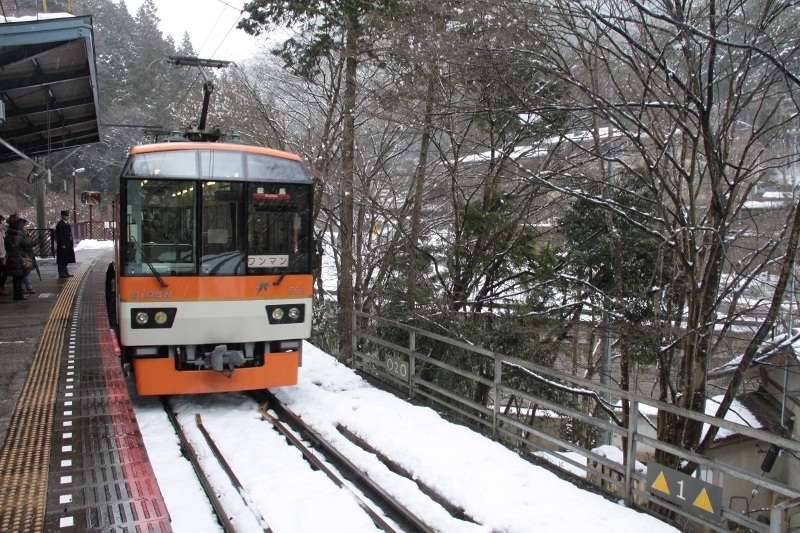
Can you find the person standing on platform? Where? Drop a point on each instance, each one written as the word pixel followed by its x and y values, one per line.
pixel 18 250
pixel 65 251
pixel 27 288
pixel 3 275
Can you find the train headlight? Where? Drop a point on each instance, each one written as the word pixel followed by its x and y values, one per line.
pixel 153 318
pixel 286 314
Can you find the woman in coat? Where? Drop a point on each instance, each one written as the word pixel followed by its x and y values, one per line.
pixel 18 246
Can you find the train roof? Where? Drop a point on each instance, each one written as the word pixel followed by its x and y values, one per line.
pixel 166 147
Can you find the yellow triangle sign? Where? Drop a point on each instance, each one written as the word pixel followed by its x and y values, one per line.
pixel 660 484
pixel 703 502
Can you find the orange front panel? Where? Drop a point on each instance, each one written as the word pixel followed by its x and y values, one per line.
pixel 188 288
pixel 158 376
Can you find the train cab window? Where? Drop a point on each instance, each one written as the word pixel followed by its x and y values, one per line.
pixel 160 228
pixel 221 164
pixel 276 168
pixel 179 163
pixel 223 246
pixel 278 228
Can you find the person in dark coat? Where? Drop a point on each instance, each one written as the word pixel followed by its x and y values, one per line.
pixel 27 288
pixel 65 251
pixel 17 246
pixel 3 274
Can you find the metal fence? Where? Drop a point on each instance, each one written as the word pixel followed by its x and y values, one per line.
pixel 43 241
pixel 394 353
pixel 97 229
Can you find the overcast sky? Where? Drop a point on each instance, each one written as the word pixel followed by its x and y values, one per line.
pixel 211 25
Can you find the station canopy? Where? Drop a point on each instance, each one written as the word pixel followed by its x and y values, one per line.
pixel 48 85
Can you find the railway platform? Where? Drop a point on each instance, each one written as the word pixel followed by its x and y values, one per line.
pixel 72 456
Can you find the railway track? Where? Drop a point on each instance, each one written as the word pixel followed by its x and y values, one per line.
pixel 191 454
pixel 394 516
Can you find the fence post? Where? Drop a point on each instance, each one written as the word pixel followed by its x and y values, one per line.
pixel 412 347
pixel 630 452
pixel 354 341
pixel 498 374
pixel 779 515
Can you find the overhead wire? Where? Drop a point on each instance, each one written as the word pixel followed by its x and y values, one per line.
pixel 205 41
pixel 227 34
pixel 219 17
pixel 220 43
pixel 223 2
pixel 186 74
pixel 187 90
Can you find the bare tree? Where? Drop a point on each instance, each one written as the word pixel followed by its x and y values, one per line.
pixel 694 101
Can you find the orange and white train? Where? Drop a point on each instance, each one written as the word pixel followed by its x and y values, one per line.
pixel 212 278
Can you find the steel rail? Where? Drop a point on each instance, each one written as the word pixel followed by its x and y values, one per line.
pixel 456 512
pixel 248 501
pixel 189 452
pixel 350 471
pixel 317 463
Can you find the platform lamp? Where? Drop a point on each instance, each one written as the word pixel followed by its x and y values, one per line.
pixel 75 196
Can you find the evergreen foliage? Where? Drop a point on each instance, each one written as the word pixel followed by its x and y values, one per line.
pixel 589 260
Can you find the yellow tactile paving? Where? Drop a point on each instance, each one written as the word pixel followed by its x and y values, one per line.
pixel 25 458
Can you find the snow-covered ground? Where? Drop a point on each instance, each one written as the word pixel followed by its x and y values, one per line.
pixel 498 489
pixel 93 244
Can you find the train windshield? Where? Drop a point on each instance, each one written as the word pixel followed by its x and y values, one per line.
pixel 160 227
pixel 257 228
pixel 241 213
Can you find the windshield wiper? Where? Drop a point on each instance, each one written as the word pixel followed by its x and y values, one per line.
pixel 149 264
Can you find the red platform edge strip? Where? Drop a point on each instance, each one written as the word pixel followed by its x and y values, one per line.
pixel 146 501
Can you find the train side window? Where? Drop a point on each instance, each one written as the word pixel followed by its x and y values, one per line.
pixel 222 246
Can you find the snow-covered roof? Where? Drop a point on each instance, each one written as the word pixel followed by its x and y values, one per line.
pixel 737 413
pixel 775 347
pixel 31 18
pixel 541 150
pixel 776 194
pixel 764 204
pixel 757 409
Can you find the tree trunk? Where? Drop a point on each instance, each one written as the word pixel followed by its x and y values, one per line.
pixel 346 229
pixel 419 182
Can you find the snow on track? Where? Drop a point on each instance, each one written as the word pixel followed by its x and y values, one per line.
pixel 500 490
